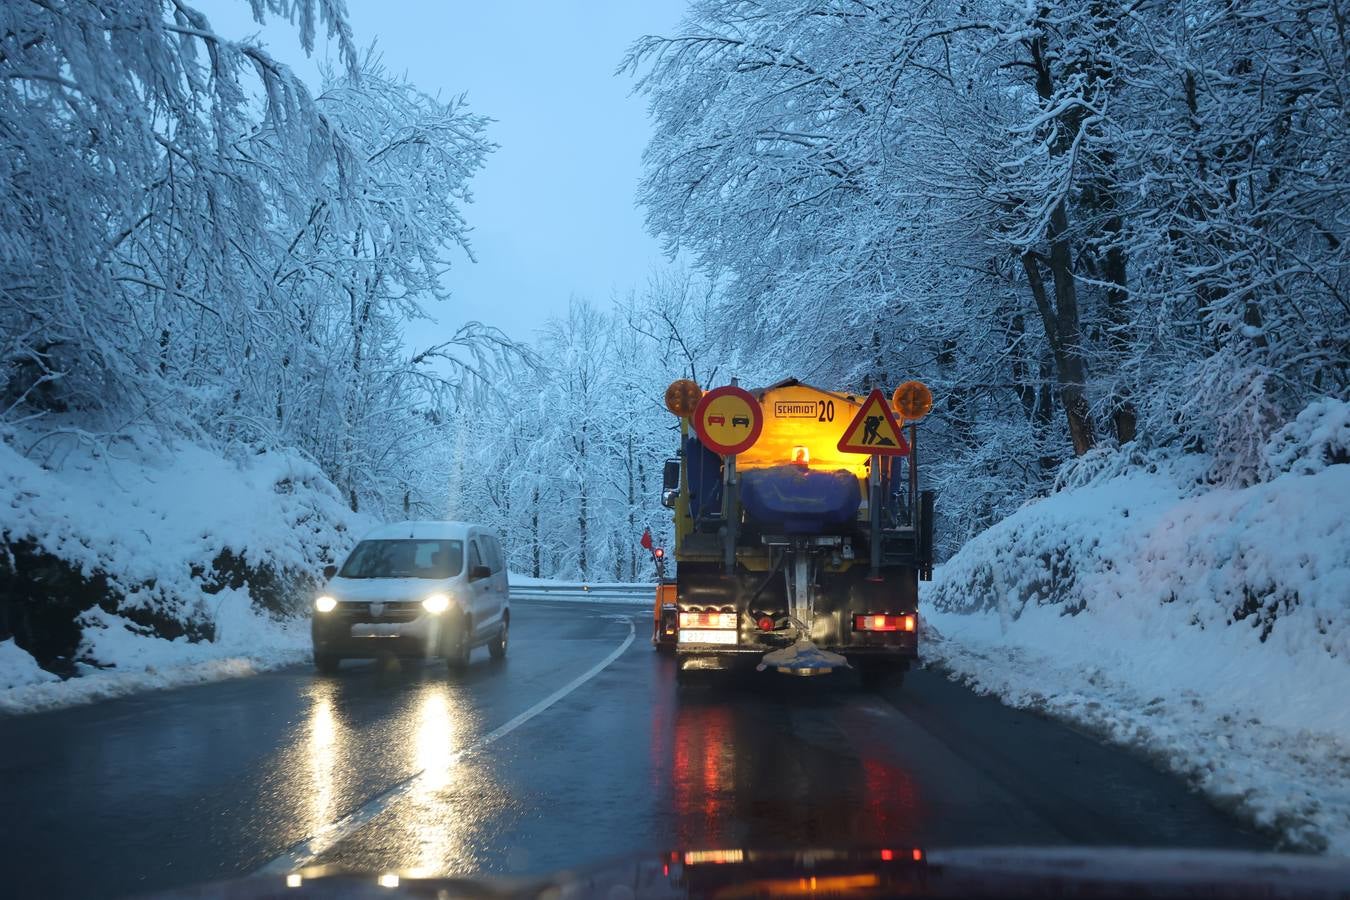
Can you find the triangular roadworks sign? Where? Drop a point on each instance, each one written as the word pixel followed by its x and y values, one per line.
pixel 874 430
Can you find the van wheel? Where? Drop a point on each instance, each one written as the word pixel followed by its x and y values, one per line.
pixel 461 648
pixel 327 663
pixel 497 646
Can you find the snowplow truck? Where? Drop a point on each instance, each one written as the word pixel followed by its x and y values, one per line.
pixel 801 531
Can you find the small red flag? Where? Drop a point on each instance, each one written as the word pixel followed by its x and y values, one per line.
pixel 647 539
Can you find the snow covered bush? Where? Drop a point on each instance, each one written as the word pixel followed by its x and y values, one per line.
pixel 1318 438
pixel 135 537
pixel 1144 544
pixel 1207 625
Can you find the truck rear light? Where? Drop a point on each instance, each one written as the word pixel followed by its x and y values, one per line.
pixel 885 622
pixel 765 624
pixel 707 620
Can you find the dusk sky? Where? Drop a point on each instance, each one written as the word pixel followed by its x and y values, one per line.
pixel 553 210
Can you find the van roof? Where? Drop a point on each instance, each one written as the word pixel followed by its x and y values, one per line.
pixel 431 530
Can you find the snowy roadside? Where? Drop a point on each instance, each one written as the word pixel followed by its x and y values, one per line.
pixel 1206 627
pixel 247 644
pixel 105 685
pixel 142 564
pixel 1290 780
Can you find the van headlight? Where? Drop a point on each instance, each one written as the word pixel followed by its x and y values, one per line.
pixel 436 604
pixel 325 603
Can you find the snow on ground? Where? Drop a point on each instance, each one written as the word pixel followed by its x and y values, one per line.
pixel 530 581
pixel 145 512
pixel 18 669
pixel 1208 628
pixel 149 663
pixel 151 517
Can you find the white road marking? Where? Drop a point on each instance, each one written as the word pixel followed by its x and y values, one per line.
pixel 310 849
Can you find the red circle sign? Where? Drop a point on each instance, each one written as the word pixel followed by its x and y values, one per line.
pixel 728 420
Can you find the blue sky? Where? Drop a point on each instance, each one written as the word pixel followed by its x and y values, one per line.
pixel 553 212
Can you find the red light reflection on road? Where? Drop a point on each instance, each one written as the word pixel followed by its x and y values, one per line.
pixel 704 773
pixel 891 799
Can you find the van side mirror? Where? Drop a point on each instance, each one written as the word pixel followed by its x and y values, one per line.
pixel 478 572
pixel 670 476
pixel 329 571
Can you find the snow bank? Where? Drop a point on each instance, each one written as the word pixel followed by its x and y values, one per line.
pixel 1206 627
pixel 167 543
pixel 18 669
pixel 154 663
pixel 146 513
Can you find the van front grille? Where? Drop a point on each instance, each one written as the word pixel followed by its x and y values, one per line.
pixel 395 611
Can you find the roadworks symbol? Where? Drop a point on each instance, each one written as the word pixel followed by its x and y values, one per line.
pixel 874 430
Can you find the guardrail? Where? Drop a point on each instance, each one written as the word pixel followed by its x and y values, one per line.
pixel 585 591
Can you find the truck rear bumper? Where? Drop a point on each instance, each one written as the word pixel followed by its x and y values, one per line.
pixel 722 656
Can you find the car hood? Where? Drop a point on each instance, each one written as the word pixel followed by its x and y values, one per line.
pixel 385 590
pixel 880 872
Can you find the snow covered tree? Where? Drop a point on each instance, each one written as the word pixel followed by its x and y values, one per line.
pixel 1090 211
pixel 193 241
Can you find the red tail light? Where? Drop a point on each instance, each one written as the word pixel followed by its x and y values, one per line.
pixel 885 622
pixel 765 624
pixel 707 620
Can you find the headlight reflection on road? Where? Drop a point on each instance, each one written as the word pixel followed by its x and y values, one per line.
pixel 434 822
pixel 325 736
pixel 435 741
pixel 443 813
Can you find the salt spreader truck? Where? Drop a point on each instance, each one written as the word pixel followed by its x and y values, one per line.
pixel 801 533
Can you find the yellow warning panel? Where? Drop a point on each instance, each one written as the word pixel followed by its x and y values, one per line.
pixel 801 427
pixel 874 430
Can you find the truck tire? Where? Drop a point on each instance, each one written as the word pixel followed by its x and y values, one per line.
pixel 327 663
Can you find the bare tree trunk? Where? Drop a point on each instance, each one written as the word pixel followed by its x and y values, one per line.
pixel 1067 340
pixel 583 513
pixel 1021 381
pixel 534 533
pixel 1070 369
pixel 632 515
pixel 1045 414
pixel 1110 267
pixel 1072 364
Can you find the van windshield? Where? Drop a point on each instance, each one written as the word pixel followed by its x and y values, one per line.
pixel 404 559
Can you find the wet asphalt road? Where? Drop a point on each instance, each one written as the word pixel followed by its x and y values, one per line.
pixel 221 780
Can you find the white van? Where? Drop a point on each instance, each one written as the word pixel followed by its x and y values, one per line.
pixel 415 589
